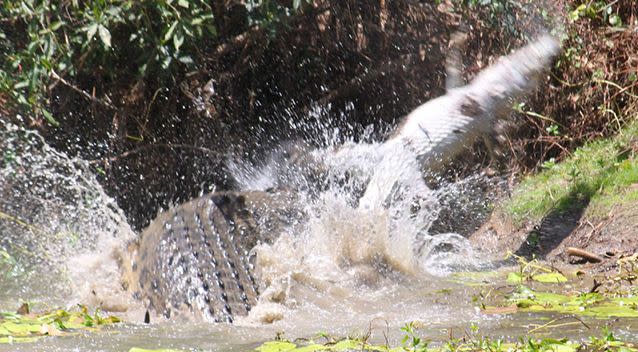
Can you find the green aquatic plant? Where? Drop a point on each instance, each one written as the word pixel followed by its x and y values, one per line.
pixel 473 342
pixel 29 327
pixel 533 270
pixel 137 349
pixel 588 304
pixel 343 345
pixel 411 341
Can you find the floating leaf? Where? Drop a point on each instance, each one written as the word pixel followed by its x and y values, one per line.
pixel 549 277
pixel 27 328
pixel 136 349
pixel 589 304
pixel 276 346
pixel 516 278
pixel 11 339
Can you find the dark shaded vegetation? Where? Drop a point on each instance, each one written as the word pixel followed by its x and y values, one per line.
pixel 159 94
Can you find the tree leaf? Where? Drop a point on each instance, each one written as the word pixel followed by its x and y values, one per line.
pixel 91 30
pixel 170 31
pixel 50 119
pixel 615 20
pixel 178 40
pixel 105 35
pixel 183 3
pixel 56 25
pixel 186 60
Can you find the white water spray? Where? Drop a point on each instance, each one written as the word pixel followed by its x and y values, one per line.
pixel 64 235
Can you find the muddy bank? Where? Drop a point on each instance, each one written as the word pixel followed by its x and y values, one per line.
pixel 608 238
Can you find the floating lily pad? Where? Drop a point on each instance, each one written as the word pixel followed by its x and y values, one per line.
pixel 589 304
pixel 554 277
pixel 343 345
pixel 30 327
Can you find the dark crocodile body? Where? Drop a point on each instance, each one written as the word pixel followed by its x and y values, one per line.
pixel 195 257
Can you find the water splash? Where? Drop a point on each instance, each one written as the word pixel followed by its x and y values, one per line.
pixel 62 233
pixel 345 246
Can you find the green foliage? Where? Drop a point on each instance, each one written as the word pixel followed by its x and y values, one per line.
pixel 270 13
pixel 343 345
pixel 593 10
pixel 533 270
pixel 47 40
pixel 588 304
pixel 411 341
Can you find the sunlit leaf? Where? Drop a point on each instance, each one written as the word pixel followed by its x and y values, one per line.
pixel 91 30
pixel 178 40
pixel 105 35
pixel 186 60
pixel 170 31
pixel 56 25
pixel 50 119
pixel 615 20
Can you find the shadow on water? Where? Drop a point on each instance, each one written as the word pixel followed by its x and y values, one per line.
pixel 558 224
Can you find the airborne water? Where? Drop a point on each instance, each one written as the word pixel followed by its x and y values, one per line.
pixel 60 234
pixel 62 238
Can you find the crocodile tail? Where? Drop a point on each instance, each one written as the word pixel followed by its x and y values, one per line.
pixel 513 75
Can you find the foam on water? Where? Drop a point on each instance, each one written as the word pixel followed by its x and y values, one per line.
pixel 345 249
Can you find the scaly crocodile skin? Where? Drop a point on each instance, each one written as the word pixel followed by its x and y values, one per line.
pixel 439 130
pixel 194 258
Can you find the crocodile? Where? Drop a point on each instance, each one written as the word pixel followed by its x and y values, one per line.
pixel 194 258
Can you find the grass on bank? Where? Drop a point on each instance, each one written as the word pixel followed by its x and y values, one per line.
pixel 600 174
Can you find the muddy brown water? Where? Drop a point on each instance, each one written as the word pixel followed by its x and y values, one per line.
pixel 442 307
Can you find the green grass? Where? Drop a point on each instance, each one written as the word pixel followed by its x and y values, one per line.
pixel 600 174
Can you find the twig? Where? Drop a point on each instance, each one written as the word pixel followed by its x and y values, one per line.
pixel 577 252
pixel 20 222
pixel 152 146
pixel 566 83
pixel 549 324
pixel 83 93
pixel 616 85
